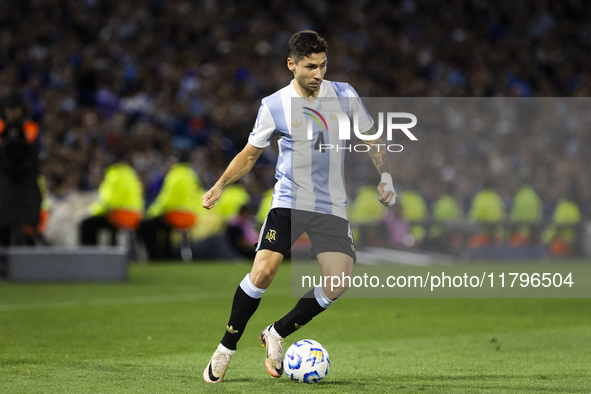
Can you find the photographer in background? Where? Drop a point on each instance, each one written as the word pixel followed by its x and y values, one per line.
pixel 20 196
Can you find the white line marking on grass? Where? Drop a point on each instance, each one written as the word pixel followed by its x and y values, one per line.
pixel 119 301
pixel 114 301
pixel 374 256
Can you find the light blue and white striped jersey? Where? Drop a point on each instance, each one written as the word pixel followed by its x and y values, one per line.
pixel 309 178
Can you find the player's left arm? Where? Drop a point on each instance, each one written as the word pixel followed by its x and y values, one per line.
pixel 379 157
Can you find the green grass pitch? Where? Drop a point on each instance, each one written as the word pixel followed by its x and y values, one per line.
pixel 155 334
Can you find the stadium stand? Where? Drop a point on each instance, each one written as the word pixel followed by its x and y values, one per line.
pixel 167 74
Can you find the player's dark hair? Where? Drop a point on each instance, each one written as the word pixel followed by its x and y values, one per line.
pixel 304 43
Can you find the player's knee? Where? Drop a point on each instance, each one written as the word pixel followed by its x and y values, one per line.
pixel 334 292
pixel 262 276
pixel 345 287
pixel 341 290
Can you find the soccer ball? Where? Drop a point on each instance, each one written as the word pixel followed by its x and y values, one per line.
pixel 306 361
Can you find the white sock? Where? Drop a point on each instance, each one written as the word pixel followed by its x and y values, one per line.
pixel 274 331
pixel 322 299
pixel 250 289
pixel 224 349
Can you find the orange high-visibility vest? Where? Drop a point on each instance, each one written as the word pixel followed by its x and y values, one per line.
pixel 30 128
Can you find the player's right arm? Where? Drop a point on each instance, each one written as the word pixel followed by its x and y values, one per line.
pixel 263 130
pixel 238 167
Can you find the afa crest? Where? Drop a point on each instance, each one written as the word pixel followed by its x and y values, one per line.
pixel 271 236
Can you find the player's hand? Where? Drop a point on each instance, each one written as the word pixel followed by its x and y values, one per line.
pixel 211 197
pixel 386 194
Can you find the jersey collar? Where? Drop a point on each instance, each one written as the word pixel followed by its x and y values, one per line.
pixel 313 104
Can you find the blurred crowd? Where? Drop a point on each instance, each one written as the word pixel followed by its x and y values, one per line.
pixel 159 75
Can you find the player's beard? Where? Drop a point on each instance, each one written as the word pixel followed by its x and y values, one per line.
pixel 307 86
pixel 315 88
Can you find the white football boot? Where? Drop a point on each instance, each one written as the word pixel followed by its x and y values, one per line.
pixel 216 369
pixel 273 343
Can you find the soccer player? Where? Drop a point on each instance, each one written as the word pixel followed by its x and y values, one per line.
pixel 309 196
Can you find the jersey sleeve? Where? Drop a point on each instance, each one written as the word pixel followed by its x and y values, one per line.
pixel 356 105
pixel 264 127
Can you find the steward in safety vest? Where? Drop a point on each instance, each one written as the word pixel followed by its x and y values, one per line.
pixel 177 206
pixel 525 216
pixel 445 212
pixel 562 233
pixel 488 209
pixel 415 212
pixel 120 204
